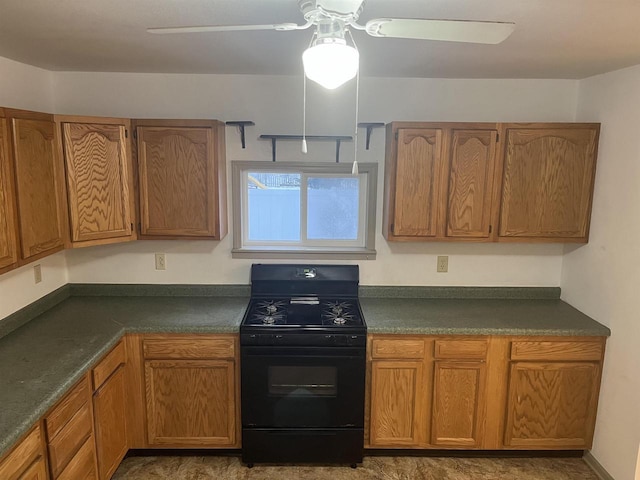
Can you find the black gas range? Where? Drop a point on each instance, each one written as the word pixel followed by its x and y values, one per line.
pixel 302 343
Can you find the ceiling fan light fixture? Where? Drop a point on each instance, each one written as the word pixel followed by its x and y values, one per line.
pixel 330 62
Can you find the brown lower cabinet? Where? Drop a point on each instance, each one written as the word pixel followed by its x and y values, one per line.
pixel 69 435
pixel 191 385
pixel 458 394
pixel 483 392
pixel 553 394
pixel 109 409
pixel 423 392
pixel 26 460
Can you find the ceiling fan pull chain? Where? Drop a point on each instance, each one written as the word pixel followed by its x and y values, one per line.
pixel 304 103
pixel 304 113
pixel 354 168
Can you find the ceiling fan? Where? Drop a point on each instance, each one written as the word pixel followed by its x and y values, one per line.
pixel 331 62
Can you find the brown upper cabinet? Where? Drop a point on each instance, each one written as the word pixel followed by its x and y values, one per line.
pixel 468 182
pixel 99 175
pixel 38 183
pixel 489 182
pixel 415 172
pixel 547 182
pixel 439 181
pixel 8 249
pixel 182 178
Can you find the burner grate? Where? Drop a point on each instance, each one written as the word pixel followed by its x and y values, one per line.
pixel 339 313
pixel 302 312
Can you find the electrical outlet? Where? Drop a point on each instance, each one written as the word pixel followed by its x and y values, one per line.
pixel 161 261
pixel 37 273
pixel 443 264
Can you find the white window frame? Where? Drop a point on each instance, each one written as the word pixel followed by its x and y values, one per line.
pixel 361 248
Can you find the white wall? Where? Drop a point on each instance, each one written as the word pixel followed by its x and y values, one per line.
pixel 602 279
pixel 274 103
pixel 24 86
pixel 18 287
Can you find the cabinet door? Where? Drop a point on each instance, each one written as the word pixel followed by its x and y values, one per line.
pixel 37 471
pixel 8 252
pixel 458 397
pixel 191 402
pixel 548 182
pixel 98 177
pixel 25 460
pixel 418 168
pixel 398 404
pixel 38 186
pixel 109 407
pixel 180 193
pixel 82 466
pixel 470 187
pixel 552 404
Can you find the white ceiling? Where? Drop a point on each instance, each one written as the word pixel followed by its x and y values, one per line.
pixel 553 38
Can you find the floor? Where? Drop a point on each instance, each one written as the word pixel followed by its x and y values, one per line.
pixel 374 468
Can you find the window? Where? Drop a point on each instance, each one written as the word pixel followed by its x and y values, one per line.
pixel 306 210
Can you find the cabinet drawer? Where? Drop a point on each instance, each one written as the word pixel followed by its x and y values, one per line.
pixel 108 365
pixel 401 348
pixel 82 466
pixel 17 462
pixel 187 348
pixel 570 350
pixel 461 349
pixel 65 445
pixel 67 408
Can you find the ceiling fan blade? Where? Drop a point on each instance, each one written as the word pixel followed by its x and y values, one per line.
pixel 228 28
pixel 445 30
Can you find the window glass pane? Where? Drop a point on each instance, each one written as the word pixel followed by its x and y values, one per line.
pixel 332 208
pixel 274 206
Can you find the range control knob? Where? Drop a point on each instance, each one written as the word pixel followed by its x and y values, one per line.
pixel 341 340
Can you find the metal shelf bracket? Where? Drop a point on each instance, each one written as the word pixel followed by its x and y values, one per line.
pixel 241 124
pixel 369 127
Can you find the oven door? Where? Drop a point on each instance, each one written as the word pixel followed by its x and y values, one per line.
pixel 310 387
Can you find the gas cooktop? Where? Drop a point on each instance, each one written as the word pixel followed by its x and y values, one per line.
pixel 301 311
pixel 291 303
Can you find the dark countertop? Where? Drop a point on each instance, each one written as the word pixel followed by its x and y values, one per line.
pixel 435 316
pixel 43 358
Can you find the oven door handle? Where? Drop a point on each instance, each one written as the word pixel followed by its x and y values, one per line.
pixel 286 433
pixel 306 352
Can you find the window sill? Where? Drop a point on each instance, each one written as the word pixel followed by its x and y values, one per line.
pixel 306 253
